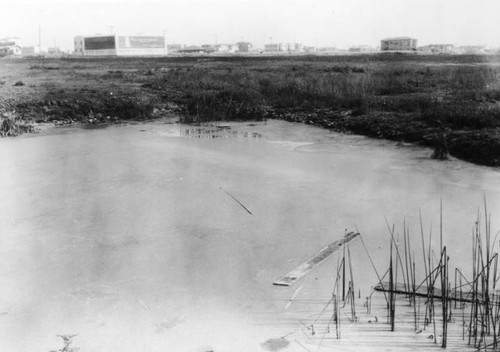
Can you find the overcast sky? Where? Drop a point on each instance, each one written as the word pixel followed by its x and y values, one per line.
pixel 340 23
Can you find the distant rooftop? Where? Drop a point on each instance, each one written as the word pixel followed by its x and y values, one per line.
pixel 398 38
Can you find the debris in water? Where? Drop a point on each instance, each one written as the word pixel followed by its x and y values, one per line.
pixel 237 201
pixel 275 344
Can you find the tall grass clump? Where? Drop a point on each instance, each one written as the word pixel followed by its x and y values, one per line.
pixel 215 95
pixel 223 105
pixel 12 125
pixel 303 89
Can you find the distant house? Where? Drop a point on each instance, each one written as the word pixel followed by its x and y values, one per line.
pixel 10 50
pixel 398 44
pixel 10 46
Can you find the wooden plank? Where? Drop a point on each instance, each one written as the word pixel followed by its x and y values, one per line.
pixel 421 291
pixel 300 271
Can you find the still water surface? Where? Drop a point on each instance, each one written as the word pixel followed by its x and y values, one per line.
pixel 128 236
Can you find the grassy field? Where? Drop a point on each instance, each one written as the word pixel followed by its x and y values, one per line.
pixel 449 102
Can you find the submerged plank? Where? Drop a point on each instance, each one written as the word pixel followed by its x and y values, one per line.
pixel 422 291
pixel 292 277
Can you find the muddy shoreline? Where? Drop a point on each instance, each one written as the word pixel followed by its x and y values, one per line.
pixel 94 92
pixel 478 147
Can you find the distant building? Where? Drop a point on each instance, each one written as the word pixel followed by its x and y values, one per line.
pixel 360 49
pixel 55 50
pixel 208 48
pixel 121 45
pixel 309 49
pixel 10 46
pixel 438 48
pixel 293 47
pixel 471 49
pixel 193 49
pixel 226 48
pixel 328 49
pixel 398 44
pixel 30 50
pixel 244 47
pixel 79 45
pixel 283 47
pixel 174 48
pixel 273 48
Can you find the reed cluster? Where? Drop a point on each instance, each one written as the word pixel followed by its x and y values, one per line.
pixel 472 302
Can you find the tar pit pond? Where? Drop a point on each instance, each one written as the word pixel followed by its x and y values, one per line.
pixel 158 236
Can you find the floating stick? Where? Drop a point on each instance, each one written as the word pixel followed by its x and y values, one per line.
pixel 237 201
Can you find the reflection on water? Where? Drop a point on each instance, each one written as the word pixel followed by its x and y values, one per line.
pixel 217 132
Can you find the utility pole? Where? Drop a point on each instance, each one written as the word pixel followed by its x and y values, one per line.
pixel 40 38
pixel 165 41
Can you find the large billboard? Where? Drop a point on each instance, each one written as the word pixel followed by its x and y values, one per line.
pixel 99 43
pixel 141 42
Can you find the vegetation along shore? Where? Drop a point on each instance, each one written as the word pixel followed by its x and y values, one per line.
pixel 449 102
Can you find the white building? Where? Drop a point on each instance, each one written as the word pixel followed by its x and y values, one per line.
pixel 226 48
pixel 120 45
pixel 79 46
pixel 437 48
pixel 283 48
pixel 30 50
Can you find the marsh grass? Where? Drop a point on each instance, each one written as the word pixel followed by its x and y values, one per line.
pixel 405 98
pixel 401 97
pixel 460 96
pixel 12 125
